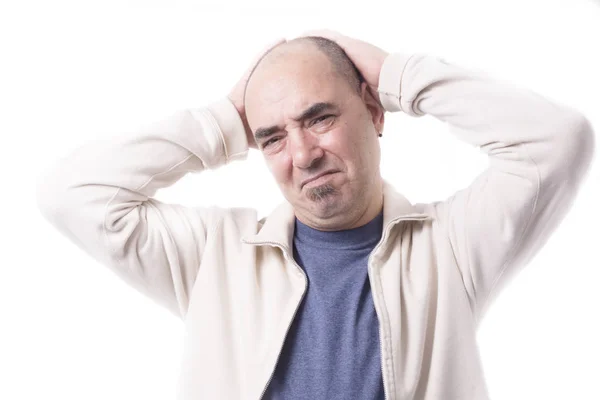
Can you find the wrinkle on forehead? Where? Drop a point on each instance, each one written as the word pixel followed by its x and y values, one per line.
pixel 279 101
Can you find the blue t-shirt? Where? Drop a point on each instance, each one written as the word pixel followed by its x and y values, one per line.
pixel 332 348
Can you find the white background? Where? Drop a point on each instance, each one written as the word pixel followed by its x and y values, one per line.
pixel 73 72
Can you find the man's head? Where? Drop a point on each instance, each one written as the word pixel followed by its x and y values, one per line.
pixel 311 113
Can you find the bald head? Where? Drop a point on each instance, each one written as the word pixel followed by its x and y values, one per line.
pixel 337 57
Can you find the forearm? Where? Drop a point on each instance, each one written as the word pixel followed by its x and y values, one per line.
pixel 104 180
pixel 499 117
pixel 100 197
pixel 152 158
pixel 539 152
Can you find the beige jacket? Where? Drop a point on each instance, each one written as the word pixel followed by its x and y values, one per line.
pixel 232 278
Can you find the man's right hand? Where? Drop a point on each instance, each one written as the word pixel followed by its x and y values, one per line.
pixel 237 93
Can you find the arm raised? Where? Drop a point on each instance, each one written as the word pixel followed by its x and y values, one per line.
pixel 539 152
pixel 101 198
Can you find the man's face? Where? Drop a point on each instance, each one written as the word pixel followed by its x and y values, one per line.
pixel 315 123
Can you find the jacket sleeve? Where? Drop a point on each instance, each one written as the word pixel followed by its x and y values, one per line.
pixel 100 198
pixel 539 152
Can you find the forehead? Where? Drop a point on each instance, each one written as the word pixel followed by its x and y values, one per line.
pixel 286 84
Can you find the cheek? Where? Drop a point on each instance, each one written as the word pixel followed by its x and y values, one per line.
pixel 280 168
pixel 357 149
pixel 347 143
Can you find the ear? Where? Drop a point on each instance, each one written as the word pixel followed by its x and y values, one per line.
pixel 371 100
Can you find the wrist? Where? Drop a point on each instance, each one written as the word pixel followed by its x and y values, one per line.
pixel 231 127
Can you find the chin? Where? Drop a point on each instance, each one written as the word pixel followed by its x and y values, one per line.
pixel 322 193
pixel 324 201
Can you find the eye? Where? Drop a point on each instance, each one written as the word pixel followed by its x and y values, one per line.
pixel 269 141
pixel 320 119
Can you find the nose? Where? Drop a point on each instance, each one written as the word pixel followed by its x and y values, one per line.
pixel 305 149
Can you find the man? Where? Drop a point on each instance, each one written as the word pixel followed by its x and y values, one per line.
pixel 346 290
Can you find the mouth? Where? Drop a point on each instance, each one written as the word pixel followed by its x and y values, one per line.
pixel 317 179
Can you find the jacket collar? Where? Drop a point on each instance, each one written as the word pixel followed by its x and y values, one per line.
pixel 278 227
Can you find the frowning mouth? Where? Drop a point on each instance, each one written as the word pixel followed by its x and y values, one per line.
pixel 319 178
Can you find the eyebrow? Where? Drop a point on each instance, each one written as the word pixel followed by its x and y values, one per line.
pixel 310 112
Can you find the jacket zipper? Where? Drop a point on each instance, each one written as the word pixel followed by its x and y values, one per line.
pixel 293 316
pixel 385 396
pixel 376 302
